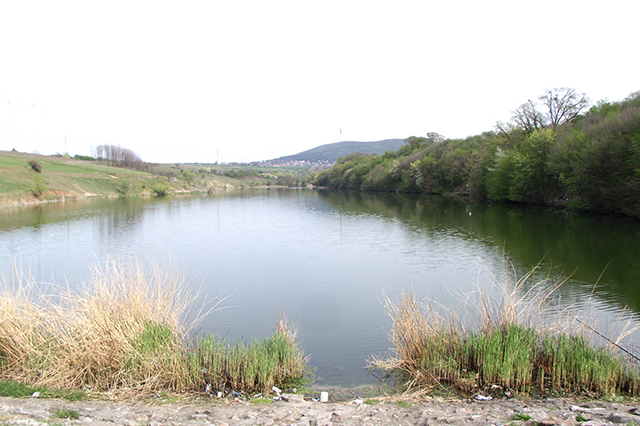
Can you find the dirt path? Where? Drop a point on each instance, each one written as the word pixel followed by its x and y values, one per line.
pixel 299 411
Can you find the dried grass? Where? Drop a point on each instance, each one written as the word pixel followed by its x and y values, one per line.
pixel 84 338
pixel 125 329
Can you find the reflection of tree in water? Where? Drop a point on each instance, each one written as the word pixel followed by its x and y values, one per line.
pixel 35 215
pixel 417 210
pixel 119 218
pixel 39 216
pixel 588 249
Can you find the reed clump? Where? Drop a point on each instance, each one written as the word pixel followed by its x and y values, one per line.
pixel 128 328
pixel 521 343
pixel 254 367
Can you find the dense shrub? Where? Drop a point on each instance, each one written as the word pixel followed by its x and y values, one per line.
pixel 35 166
pixel 161 188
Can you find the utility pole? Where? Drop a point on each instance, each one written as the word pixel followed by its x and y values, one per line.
pixel 8 119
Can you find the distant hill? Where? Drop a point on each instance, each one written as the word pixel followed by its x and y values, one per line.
pixel 332 151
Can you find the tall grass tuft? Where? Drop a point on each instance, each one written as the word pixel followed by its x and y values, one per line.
pixel 128 328
pixel 258 366
pixel 520 341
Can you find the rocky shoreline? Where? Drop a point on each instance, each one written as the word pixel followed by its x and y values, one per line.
pixel 297 410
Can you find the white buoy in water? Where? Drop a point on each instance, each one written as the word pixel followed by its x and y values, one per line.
pixel 324 397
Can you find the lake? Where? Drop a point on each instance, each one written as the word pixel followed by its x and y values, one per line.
pixel 326 259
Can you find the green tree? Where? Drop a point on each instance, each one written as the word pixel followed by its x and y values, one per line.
pixel 602 159
pixel 500 175
pixel 533 180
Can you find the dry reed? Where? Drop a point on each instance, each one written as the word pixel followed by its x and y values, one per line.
pixel 124 329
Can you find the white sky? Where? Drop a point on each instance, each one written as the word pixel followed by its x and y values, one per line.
pixel 256 80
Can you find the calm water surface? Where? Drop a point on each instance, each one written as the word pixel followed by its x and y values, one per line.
pixel 325 259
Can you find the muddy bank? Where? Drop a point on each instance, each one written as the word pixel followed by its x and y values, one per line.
pixel 296 410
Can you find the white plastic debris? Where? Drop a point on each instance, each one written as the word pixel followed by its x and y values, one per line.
pixel 483 398
pixel 276 390
pixel 292 397
pixel 219 394
pixel 324 396
pixel 35 395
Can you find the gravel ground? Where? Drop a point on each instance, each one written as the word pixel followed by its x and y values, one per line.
pixel 297 410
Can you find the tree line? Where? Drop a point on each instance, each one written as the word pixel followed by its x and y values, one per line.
pixel 554 150
pixel 115 155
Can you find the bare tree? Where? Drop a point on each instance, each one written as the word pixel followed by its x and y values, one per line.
pixel 117 156
pixel 563 104
pixel 504 129
pixel 435 137
pixel 557 106
pixel 528 117
pixel 98 152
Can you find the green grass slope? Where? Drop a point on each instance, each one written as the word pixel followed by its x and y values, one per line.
pixel 65 178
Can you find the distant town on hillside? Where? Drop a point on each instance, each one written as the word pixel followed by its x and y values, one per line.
pixel 327 155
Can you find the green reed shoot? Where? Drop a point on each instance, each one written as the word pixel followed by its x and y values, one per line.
pixel 513 348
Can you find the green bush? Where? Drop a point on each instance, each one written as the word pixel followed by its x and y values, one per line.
pixel 39 186
pixel 187 176
pixel 84 157
pixel 123 187
pixel 161 188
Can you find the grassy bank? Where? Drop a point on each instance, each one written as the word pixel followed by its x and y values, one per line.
pixel 128 328
pixel 61 178
pixel 521 344
pixel 32 178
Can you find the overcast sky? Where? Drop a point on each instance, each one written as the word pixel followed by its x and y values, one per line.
pixel 194 81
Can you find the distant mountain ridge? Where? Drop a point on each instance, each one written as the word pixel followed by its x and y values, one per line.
pixel 332 151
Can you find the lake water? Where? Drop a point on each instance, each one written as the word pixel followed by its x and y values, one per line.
pixel 325 259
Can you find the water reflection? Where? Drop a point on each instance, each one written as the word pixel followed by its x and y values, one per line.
pixel 324 258
pixel 589 249
pixel 122 217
